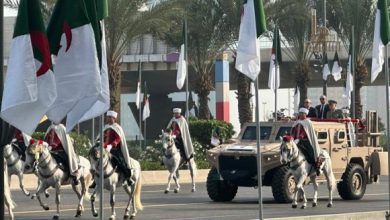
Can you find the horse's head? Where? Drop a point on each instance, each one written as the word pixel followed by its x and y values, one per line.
pixel 288 149
pixel 33 152
pixel 95 155
pixel 8 150
pixel 167 140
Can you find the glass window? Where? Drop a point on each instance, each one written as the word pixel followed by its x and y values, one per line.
pixel 341 135
pixel 322 135
pixel 250 133
pixel 282 131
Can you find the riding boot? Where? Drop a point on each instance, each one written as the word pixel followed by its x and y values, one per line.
pixel 318 167
pixel 129 180
pixel 93 185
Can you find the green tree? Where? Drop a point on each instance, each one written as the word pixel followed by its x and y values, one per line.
pixel 294 18
pixel 344 14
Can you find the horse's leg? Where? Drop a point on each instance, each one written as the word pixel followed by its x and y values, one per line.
pixel 313 179
pixel 193 173
pixel 171 173
pixel 303 196
pixel 93 197
pixel 176 179
pixel 331 184
pixel 21 185
pixel 130 191
pixel 41 188
pixel 80 195
pixel 58 199
pixel 112 201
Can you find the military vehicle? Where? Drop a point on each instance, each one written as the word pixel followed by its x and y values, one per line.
pixel 357 159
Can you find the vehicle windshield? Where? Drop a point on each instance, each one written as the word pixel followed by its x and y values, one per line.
pixel 282 131
pixel 250 133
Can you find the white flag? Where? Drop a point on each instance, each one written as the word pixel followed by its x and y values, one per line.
pixel 181 69
pixel 248 50
pixel 29 88
pixel 336 69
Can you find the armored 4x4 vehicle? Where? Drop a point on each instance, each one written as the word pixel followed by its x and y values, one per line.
pixel 357 159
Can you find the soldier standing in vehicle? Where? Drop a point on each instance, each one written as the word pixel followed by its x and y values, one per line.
pixel 303 131
pixel 334 113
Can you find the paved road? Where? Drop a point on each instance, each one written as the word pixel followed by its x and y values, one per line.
pixel 187 205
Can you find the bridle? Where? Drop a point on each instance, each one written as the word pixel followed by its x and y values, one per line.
pixel 94 153
pixel 292 158
pixel 37 153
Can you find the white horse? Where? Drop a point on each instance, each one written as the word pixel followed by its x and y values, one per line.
pixel 173 161
pixel 7 193
pixel 113 179
pixel 15 165
pixel 301 169
pixel 47 169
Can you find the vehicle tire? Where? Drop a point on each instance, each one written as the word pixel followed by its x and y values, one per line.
pixel 219 190
pixel 353 184
pixel 283 185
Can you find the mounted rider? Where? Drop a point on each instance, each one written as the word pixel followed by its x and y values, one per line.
pixel 21 140
pixel 179 127
pixel 303 131
pixel 115 143
pixel 61 148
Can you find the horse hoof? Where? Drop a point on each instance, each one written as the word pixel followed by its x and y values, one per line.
pixel 28 194
pixel 112 218
pixel 166 191
pixel 294 206
pixel 303 207
pixel 33 197
pixel 126 217
pixel 176 190
pixel 132 217
pixel 95 214
pixel 46 208
pixel 47 195
pixel 56 217
pixel 330 205
pixel 78 213
pixel 314 204
pixel 193 190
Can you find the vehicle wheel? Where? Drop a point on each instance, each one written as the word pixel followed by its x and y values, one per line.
pixel 283 185
pixel 353 184
pixel 219 190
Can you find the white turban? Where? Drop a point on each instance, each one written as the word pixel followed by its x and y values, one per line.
pixel 177 110
pixel 304 110
pixel 112 114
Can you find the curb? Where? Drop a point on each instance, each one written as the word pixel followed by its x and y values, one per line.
pixel 343 216
pixel 153 177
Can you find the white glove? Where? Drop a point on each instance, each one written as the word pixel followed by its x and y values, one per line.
pixel 108 148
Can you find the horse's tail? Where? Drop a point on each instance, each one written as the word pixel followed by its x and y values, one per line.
pixel 137 194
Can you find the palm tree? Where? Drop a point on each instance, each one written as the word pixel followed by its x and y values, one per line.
pixel 344 14
pixel 205 43
pixel 293 18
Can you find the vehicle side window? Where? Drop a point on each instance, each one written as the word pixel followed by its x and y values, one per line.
pixel 341 135
pixel 282 131
pixel 250 133
pixel 322 135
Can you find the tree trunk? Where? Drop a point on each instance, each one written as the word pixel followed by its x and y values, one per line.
pixel 203 85
pixel 244 95
pixel 115 78
pixel 361 75
pixel 302 79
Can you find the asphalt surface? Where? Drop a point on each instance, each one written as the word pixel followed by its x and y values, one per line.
pixel 197 205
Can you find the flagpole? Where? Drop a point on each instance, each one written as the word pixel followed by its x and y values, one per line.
pixel 276 73
pixel 353 72
pixel 144 116
pixel 259 176
pixel 101 173
pixel 139 105
pixel 1 96
pixel 387 121
pixel 93 132
pixel 186 59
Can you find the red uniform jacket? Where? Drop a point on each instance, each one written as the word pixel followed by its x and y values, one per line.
pixel 176 130
pixel 54 141
pixel 298 132
pixel 111 137
pixel 18 135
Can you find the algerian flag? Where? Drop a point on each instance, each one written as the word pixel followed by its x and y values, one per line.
pixel 381 38
pixel 336 68
pixel 325 69
pixel 146 110
pixel 29 88
pixel 297 97
pixel 138 93
pixel 182 65
pixel 75 42
pixel 276 59
pixel 251 27
pixel 349 82
pixel 103 103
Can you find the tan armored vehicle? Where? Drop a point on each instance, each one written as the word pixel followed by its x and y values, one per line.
pixel 357 159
